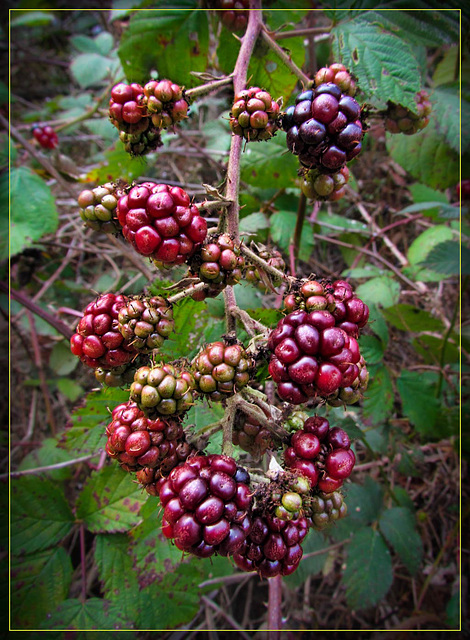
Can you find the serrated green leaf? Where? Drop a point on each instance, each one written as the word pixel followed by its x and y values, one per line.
pixel 383 291
pixel 445 258
pixel 418 395
pixel 433 209
pixel 92 614
pixel 426 157
pixel 40 582
pixel 110 501
pixel 383 63
pixel 406 317
pixel 33 212
pixel 421 247
pixel 269 164
pixel 364 501
pixel 189 318
pixel 372 349
pixel 89 69
pixel 378 398
pixel 62 361
pixel 70 389
pixel 378 324
pixel 398 525
pixel 450 107
pixel 368 575
pixel 152 554
pixel 155 39
pixel 40 515
pixel 86 433
pixel 430 349
pixel 48 453
pixel 285 16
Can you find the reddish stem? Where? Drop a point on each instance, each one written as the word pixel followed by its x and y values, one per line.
pixel 274 608
pixel 83 560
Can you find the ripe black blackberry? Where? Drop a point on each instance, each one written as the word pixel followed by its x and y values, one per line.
pixel 324 128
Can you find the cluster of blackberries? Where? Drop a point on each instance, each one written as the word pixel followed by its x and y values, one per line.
pixel 254 114
pixel 398 119
pixel 46 136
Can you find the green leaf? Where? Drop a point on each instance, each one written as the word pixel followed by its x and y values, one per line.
pixel 70 389
pixel 398 525
pixel 39 582
pixel 408 318
pixel 40 515
pixel 110 501
pixel 384 64
pixel 430 349
pixel 33 212
pixel 94 613
pixel 156 39
pixel 378 324
pixel 433 209
pixel 372 349
pixel 86 432
pixel 189 329
pixel 450 106
pixel 336 418
pixel 383 291
pixel 152 554
pixel 62 361
pixel 31 18
pixel 254 222
pixel 48 453
pixel 421 247
pixel 364 501
pixel 445 258
pixel 328 220
pixel 117 164
pixel 378 399
pixel 420 405
pixel 89 69
pixel 426 157
pixel 368 575
pixel 269 163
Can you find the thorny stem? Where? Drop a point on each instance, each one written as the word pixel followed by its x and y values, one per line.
pixel 50 467
pixel 210 205
pixel 446 339
pixel 285 57
pixel 83 560
pixel 253 327
pixel 299 224
pixel 230 305
pixel 310 31
pixel 204 89
pixel 186 292
pixel 274 608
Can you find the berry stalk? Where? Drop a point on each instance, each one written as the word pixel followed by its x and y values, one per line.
pixel 285 57
pixel 204 89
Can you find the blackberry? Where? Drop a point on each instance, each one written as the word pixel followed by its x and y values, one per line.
pixel 221 369
pixel 97 341
pixel 254 114
pixel 233 13
pixel 250 435
pixel 218 263
pixel 121 376
pixel 338 74
pixel 321 454
pixel 273 546
pixel 324 128
pixel 163 389
pixel 46 136
pixel 165 103
pixel 142 443
pixel 98 207
pixel 327 508
pixel 127 108
pixel 320 186
pixel 160 222
pixel 145 322
pixel 311 357
pixel 141 139
pixel 402 120
pixel 256 275
pixel 206 508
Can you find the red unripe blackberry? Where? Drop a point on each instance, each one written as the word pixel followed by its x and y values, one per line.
pixel 254 114
pixel 218 262
pixel 165 103
pixel 198 497
pixel 98 207
pixel 160 222
pixel 163 389
pixel 233 13
pixel 221 369
pixel 46 136
pixel 324 128
pixel 320 186
pixel 272 547
pixel 255 273
pixel 146 322
pixel 339 75
pixel 97 341
pixel 402 120
pixel 463 190
pixel 126 106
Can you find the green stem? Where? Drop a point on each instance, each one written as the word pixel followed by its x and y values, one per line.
pixel 256 259
pixel 285 57
pixel 204 89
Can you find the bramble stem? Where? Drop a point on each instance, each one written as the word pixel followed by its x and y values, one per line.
pixel 274 608
pixel 256 259
pixel 285 57
pixel 299 223
pixel 187 292
pixel 204 89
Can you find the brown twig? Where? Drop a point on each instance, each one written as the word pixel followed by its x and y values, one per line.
pixel 285 57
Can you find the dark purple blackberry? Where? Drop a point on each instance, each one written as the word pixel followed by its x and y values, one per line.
pixel 324 128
